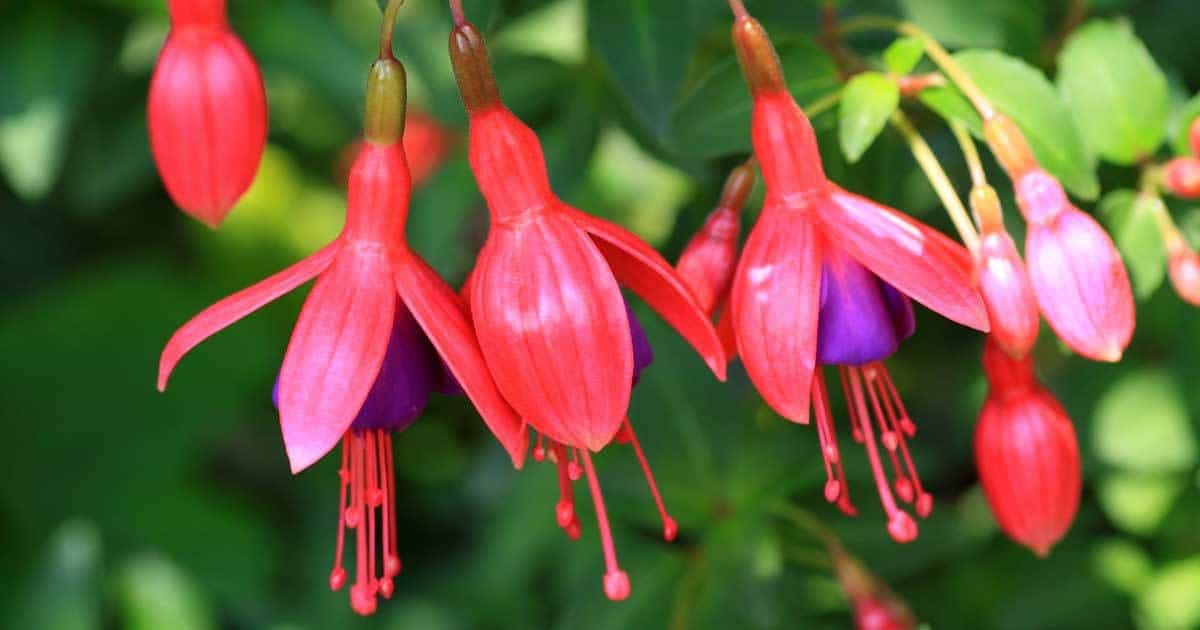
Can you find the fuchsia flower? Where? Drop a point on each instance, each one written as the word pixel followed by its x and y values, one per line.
pixel 825 276
pixel 1185 275
pixel 1077 274
pixel 707 263
pixel 544 297
pixel 207 112
pixel 1026 454
pixel 1181 176
pixel 358 365
pixel 1003 281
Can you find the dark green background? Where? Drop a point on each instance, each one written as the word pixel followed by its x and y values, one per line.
pixel 124 508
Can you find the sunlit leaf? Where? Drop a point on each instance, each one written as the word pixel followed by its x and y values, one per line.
pixel 1138 503
pixel 1168 601
pixel 867 102
pixel 154 593
pixel 1141 425
pixel 903 55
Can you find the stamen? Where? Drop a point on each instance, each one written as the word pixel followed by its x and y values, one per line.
pixel 906 423
pixel 539 452
pixel 374 499
pixel 337 577
pixel 855 433
pixel 889 434
pixel 836 489
pixel 616 581
pixel 362 594
pixel 911 481
pixel 573 469
pixel 900 524
pixel 391 561
pixel 564 510
pixel 670 527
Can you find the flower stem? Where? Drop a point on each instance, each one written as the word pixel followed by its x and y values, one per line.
pixel 385 31
pixel 938 179
pixel 1149 191
pixel 806 521
pixel 739 9
pixel 822 104
pixel 456 11
pixel 970 153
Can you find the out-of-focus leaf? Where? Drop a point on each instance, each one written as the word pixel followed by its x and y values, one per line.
pixel 153 593
pixel 65 593
pixel 44 83
pixel 1115 90
pixel 714 118
pixel 646 45
pixel 1138 503
pixel 1169 602
pixel 1142 425
pixel 1014 25
pixel 1123 563
pixel 951 105
pixel 867 101
pixel 641 193
pixel 1023 93
pixel 903 55
pixel 1131 221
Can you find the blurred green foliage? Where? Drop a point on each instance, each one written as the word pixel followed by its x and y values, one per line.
pixel 121 507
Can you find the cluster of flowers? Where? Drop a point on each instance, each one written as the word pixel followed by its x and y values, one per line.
pixel 540 336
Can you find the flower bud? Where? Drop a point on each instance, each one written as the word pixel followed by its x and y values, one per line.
pixel 1194 135
pixel 1007 293
pixel 1185 275
pixel 207 112
pixel 473 68
pixel 875 606
pixel 707 263
pixel 1027 454
pixel 1076 272
pixel 1181 176
pixel 760 64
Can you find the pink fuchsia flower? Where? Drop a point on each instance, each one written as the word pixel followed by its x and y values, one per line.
pixel 1181 177
pixel 544 294
pixel 1026 453
pixel 825 277
pixel 364 278
pixel 1185 275
pixel 1077 274
pixel 207 112
pixel 707 263
pixel 1003 281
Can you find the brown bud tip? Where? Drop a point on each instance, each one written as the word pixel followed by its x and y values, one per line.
pixel 986 206
pixel 760 64
pixel 1009 145
pixel 1182 177
pixel 387 93
pixel 472 68
pixel 737 187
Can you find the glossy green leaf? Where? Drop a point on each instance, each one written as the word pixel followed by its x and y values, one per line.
pixel 1169 601
pixel 867 101
pixel 154 593
pixel 1115 90
pixel 903 55
pixel 714 118
pixel 951 105
pixel 1142 425
pixel 1023 93
pixel 1138 503
pixel 646 45
pixel 1130 219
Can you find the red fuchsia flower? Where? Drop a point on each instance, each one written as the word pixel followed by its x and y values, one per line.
pixel 207 112
pixel 1026 454
pixel 1194 136
pixel 825 276
pixel 875 607
pixel 1181 176
pixel 545 301
pixel 1003 280
pixel 357 367
pixel 707 263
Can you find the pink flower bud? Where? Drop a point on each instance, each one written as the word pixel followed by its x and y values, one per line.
pixel 1026 454
pixel 1076 272
pixel 1185 275
pixel 207 112
pixel 1182 177
pixel 1007 293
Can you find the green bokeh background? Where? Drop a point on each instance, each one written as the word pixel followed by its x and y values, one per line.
pixel 124 508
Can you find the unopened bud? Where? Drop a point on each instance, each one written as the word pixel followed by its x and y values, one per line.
pixel 1181 176
pixel 1185 275
pixel 386 96
pixel 760 64
pixel 472 68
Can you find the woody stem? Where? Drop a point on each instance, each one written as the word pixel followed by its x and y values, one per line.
pixel 938 179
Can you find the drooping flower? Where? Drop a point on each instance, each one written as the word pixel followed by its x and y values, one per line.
pixel 364 279
pixel 1003 281
pixel 1181 176
pixel 1026 453
pixel 707 263
pixel 207 112
pixel 1077 274
pixel 824 277
pixel 874 605
pixel 545 301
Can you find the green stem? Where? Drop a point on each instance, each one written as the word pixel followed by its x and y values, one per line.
pixel 817 107
pixel 385 31
pixel 938 179
pixel 806 521
pixel 1149 191
pixel 970 153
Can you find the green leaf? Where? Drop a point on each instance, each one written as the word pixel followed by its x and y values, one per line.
pixel 1014 25
pixel 1170 601
pixel 1023 93
pixel 1122 563
pixel 65 593
pixel 714 118
pixel 1130 218
pixel 154 593
pixel 646 45
pixel 1138 503
pixel 952 106
pixel 1142 426
pixel 903 55
pixel 866 103
pixel 1116 91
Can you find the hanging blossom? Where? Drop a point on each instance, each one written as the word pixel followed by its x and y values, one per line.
pixel 1026 453
pixel 1077 274
pixel 824 278
pixel 544 295
pixel 874 605
pixel 207 112
pixel 359 364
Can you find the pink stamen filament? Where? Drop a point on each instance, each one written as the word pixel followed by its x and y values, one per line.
pixel 366 476
pixel 900 524
pixel 616 581
pixel 337 577
pixel 564 510
pixel 670 527
pixel 836 489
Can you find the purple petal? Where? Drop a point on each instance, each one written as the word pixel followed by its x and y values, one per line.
pixel 643 354
pixel 901 310
pixel 856 325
